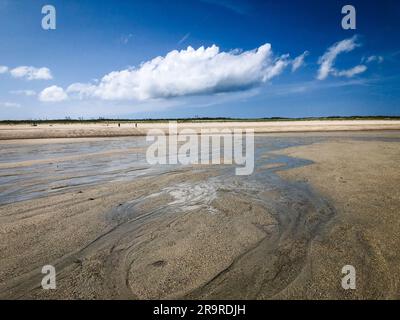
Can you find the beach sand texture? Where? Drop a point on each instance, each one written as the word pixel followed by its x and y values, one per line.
pixel 115 227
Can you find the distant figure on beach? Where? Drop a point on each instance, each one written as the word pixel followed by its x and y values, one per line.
pixel 135 125
pixel 119 125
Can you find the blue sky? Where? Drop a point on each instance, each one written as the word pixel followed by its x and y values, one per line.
pixel 99 60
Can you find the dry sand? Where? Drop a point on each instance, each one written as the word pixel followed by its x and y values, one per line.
pixel 193 232
pixel 111 129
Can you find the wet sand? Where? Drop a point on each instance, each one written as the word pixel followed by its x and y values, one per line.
pixel 114 129
pixel 361 179
pixel 115 227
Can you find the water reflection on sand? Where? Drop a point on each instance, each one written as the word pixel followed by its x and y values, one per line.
pixel 177 214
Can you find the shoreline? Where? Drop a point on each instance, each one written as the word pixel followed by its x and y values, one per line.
pixel 104 130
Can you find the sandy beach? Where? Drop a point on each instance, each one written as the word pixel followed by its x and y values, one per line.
pixel 115 129
pixel 115 227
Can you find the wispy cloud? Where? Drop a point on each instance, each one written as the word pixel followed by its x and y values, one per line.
pixel 308 86
pixel 238 7
pixel 125 38
pixel 10 105
pixel 3 69
pixel 24 92
pixel 31 73
pixel 351 72
pixel 184 38
pixel 377 59
pixel 327 61
pixel 299 61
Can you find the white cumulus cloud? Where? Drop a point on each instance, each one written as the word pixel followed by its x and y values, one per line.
pixel 53 94
pixel 187 72
pixel 82 90
pixel 327 61
pixel 31 73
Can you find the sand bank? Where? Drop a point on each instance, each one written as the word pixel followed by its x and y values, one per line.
pixel 83 130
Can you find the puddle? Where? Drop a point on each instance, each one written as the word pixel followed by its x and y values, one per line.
pixel 44 179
